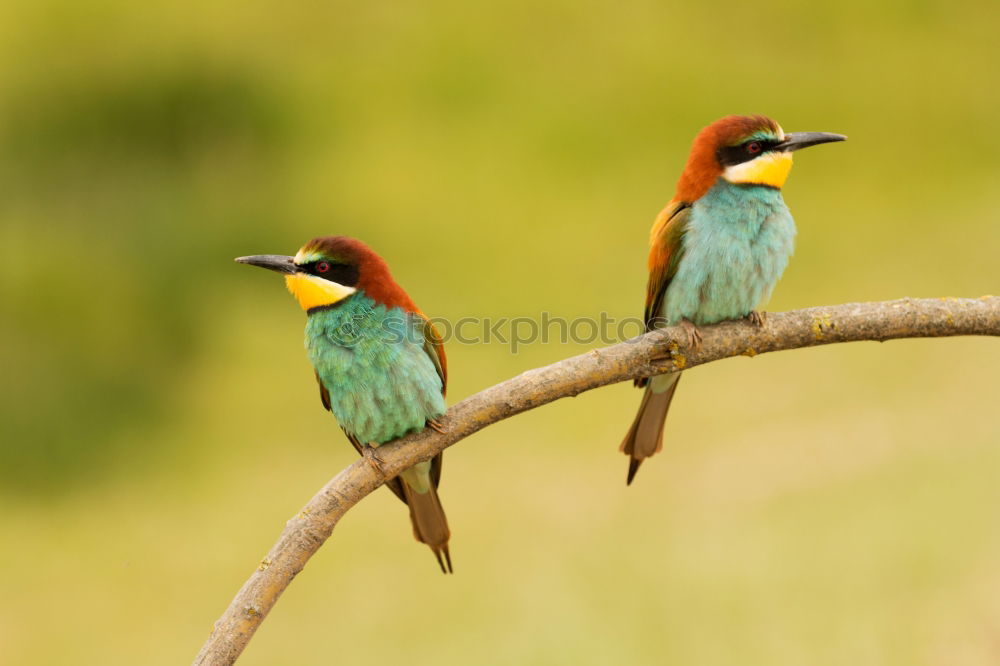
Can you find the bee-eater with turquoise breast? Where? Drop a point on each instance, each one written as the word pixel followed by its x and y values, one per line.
pixel 379 362
pixel 718 248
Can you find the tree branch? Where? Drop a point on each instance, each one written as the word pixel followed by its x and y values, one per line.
pixel 306 532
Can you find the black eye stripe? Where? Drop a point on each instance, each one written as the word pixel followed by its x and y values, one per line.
pixel 730 155
pixel 344 274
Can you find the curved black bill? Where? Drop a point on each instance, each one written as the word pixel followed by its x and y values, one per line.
pixel 799 140
pixel 272 262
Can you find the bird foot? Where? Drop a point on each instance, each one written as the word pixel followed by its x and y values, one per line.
pixel 661 356
pixel 757 318
pixel 436 426
pixel 693 334
pixel 371 457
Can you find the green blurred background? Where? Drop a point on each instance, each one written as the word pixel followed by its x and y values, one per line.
pixel 159 419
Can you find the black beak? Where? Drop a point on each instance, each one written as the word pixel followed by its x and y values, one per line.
pixel 799 140
pixel 272 262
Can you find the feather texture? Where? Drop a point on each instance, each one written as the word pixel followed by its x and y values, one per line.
pixel 382 372
pixel 716 252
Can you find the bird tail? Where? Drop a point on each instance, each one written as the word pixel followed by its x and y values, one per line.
pixel 430 526
pixel 645 437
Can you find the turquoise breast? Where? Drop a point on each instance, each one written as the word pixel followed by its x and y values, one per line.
pixel 737 244
pixel 371 359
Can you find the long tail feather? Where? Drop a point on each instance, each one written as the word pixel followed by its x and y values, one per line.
pixel 430 526
pixel 645 437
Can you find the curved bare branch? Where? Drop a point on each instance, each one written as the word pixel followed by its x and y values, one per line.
pixel 654 353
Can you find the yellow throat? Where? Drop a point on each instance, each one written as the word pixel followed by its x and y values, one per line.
pixel 768 169
pixel 313 292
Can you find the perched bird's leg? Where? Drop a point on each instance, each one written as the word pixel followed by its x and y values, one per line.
pixel 757 318
pixel 436 426
pixel 693 334
pixel 661 355
pixel 371 457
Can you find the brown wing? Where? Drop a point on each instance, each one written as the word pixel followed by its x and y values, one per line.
pixel 324 395
pixel 434 347
pixel 665 251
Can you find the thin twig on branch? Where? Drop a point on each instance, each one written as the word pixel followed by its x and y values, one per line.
pixel 312 526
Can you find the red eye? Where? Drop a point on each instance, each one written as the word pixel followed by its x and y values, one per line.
pixel 322 267
pixel 753 147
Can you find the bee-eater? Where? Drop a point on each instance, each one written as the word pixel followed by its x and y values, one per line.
pixel 718 248
pixel 379 362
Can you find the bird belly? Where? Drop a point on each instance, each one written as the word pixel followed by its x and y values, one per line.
pixel 382 384
pixel 736 247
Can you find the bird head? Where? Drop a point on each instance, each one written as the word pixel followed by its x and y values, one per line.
pixel 328 269
pixel 745 150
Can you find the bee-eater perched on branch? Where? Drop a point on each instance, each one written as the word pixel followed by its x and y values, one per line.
pixel 718 248
pixel 379 362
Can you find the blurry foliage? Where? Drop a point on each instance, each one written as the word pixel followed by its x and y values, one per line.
pixel 110 237
pixel 172 117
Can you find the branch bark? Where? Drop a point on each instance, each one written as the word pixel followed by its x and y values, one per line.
pixel 653 353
